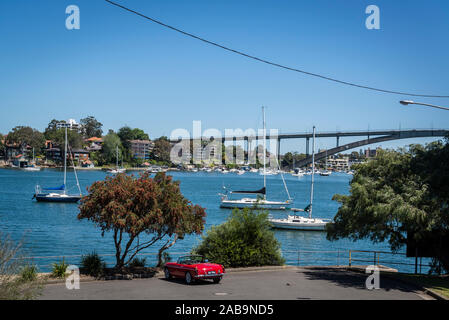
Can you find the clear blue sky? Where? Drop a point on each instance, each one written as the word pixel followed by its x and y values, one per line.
pixel 125 70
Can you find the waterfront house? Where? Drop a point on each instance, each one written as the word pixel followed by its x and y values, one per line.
pixel 19 161
pixel 141 149
pixel 87 164
pixel 94 144
pixel 80 155
pixel 338 163
pixel 53 154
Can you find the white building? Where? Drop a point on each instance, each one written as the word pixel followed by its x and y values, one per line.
pixel 338 163
pixel 71 124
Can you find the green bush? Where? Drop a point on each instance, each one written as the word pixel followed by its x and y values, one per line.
pixel 28 273
pixel 59 269
pixel 92 264
pixel 244 240
pixel 138 262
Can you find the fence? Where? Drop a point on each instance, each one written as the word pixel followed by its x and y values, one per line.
pixel 339 257
pixel 342 257
pixel 393 259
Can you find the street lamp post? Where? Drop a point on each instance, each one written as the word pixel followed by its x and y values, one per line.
pixel 407 102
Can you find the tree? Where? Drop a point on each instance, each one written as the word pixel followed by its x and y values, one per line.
pixel 140 212
pixel 74 138
pixel 162 148
pixel 26 136
pixel 400 193
pixel 126 134
pixel 91 127
pixel 110 143
pixel 287 160
pixel 2 144
pixel 57 135
pixel 244 240
pixel 139 134
pixel 52 128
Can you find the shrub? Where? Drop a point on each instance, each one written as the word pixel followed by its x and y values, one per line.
pixel 13 287
pixel 59 269
pixel 93 264
pixel 244 240
pixel 138 262
pixel 28 273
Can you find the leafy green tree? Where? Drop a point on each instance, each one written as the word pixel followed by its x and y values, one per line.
pixel 52 128
pixel 400 193
pixel 139 134
pixel 141 212
pixel 26 136
pixel 287 160
pixel 57 135
pixel 98 158
pixel 74 138
pixel 244 240
pixel 91 127
pixel 110 143
pixel 126 134
pixel 2 144
pixel 162 149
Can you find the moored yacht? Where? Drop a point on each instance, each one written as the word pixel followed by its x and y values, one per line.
pixel 117 168
pixel 59 194
pixel 296 222
pixel 261 200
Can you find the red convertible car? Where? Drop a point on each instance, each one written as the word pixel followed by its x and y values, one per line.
pixel 194 267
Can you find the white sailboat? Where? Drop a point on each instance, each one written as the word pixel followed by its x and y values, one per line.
pixel 260 201
pixel 59 194
pixel 117 168
pixel 295 222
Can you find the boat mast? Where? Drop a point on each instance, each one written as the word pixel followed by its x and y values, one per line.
pixel 313 173
pixel 65 160
pixel 116 150
pixel 264 153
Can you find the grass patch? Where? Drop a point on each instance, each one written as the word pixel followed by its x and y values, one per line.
pixel 439 284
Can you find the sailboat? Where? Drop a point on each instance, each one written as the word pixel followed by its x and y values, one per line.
pixel 33 166
pixel 117 168
pixel 296 222
pixel 261 200
pixel 59 194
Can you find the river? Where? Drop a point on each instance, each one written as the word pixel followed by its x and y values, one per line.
pixel 51 230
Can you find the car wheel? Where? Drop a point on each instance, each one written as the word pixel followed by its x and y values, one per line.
pixel 217 280
pixel 167 274
pixel 189 278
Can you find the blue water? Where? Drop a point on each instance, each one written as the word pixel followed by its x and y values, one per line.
pixel 52 229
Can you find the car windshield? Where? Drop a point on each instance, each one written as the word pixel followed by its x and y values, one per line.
pixel 190 260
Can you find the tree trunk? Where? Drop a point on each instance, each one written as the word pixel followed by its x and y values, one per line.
pixel 165 247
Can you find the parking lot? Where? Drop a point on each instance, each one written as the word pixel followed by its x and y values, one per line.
pixel 285 284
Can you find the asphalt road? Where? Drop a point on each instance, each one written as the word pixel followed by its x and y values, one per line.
pixel 287 284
